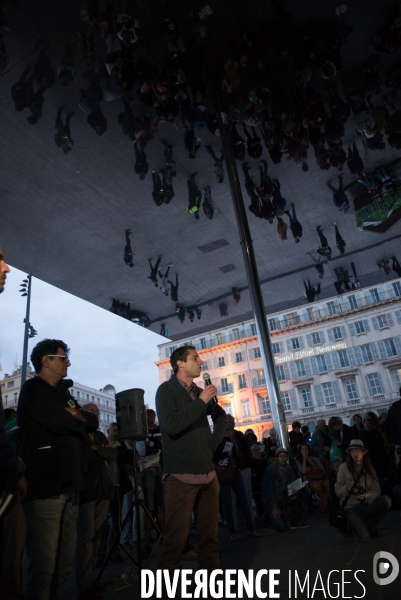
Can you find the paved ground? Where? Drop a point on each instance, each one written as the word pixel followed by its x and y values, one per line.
pixel 63 218
pixel 317 549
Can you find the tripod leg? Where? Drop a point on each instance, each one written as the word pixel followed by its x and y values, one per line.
pixel 114 544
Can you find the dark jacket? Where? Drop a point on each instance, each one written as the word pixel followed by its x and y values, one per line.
pixel 245 454
pixel 295 440
pixel 50 440
pixel 97 480
pixel 348 434
pixel 188 443
pixel 392 424
pixel 12 468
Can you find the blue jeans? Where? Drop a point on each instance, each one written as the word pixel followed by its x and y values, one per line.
pixel 51 531
pixel 239 490
pixel 382 174
pixel 364 517
pixel 369 182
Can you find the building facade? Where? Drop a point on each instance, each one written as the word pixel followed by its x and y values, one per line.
pixel 339 356
pixel 11 384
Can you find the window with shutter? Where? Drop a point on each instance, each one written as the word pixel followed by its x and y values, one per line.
pixel 337 333
pixel 319 394
pixel 300 368
pixel 241 382
pixel 390 320
pixel 306 396
pixel 343 359
pixel 351 389
pixel 295 345
pixel 246 409
pixel 351 358
pixel 360 327
pixel 334 385
pixel 285 400
pixel 396 375
pixel 398 316
pixel 359 356
pixel 390 349
pixel 366 353
pixel 374 352
pixel 396 288
pixel 336 360
pixel 276 348
pixel 375 385
pixel 238 357
pixel 328 393
pixel 293 399
pixel 397 342
pixel 321 363
pixel 280 372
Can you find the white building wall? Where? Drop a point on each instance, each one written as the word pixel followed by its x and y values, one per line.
pixel 339 356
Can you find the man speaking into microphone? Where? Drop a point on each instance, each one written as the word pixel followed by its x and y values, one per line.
pixel 188 470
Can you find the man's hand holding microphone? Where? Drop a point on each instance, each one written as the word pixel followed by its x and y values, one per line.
pixel 210 391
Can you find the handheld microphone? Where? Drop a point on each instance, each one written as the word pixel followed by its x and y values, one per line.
pixel 206 379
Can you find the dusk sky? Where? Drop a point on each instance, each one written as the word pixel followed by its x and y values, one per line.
pixel 105 348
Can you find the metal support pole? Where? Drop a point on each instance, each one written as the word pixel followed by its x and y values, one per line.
pixel 26 334
pixel 255 291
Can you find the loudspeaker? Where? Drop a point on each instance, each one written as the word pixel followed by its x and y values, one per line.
pixel 131 415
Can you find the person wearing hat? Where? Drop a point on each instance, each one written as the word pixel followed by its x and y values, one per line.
pixel 358 481
pixel 277 503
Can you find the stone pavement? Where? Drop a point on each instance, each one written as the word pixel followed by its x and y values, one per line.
pixel 318 549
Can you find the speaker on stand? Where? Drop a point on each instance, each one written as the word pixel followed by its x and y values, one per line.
pixel 132 425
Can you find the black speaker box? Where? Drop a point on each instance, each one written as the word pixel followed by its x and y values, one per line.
pixel 131 415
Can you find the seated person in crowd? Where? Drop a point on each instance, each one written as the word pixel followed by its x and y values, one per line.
pixel 278 504
pixel 310 468
pixel 340 433
pixel 357 481
pixel 296 437
pixel 321 443
pixel 251 438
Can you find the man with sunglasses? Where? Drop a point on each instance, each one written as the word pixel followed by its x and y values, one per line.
pixel 52 428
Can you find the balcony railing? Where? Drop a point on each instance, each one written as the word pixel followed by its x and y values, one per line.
pixel 345 304
pixel 226 389
pixel 224 339
pixel 257 383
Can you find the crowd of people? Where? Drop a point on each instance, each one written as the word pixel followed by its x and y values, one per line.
pixel 284 89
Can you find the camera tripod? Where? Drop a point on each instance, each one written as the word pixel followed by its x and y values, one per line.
pixel 139 505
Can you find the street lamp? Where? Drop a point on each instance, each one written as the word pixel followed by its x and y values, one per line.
pixel 29 332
